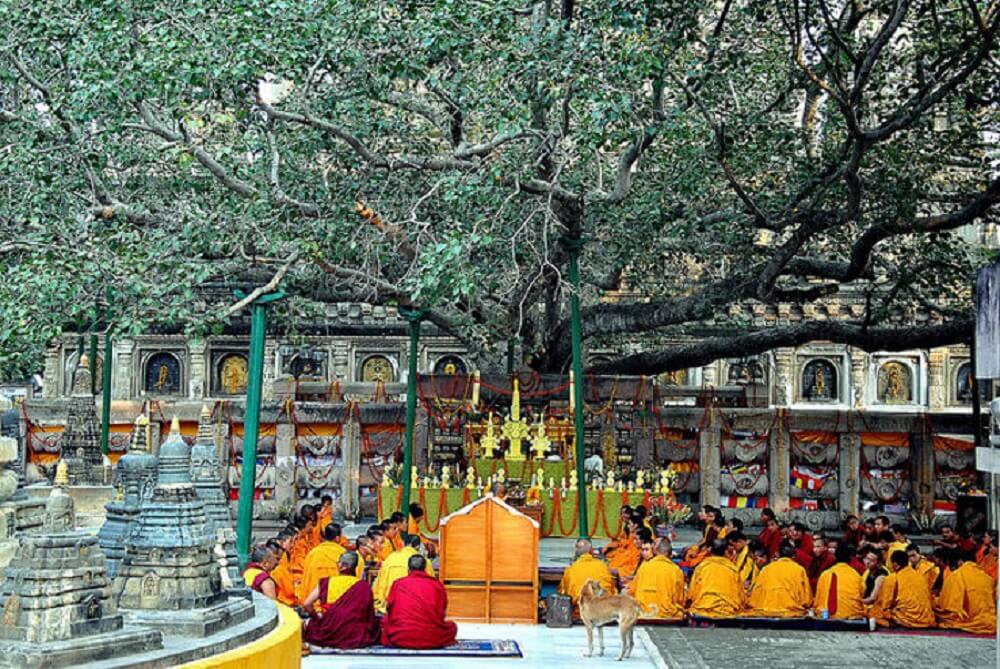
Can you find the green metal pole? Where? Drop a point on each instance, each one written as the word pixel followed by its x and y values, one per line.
pixel 574 246
pixel 106 392
pixel 93 364
pixel 251 424
pixel 413 316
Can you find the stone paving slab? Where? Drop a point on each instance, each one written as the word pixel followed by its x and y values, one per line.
pixel 689 648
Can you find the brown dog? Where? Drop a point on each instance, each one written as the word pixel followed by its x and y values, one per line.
pixel 597 609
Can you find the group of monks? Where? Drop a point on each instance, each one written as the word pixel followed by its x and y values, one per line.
pixel 871 572
pixel 378 589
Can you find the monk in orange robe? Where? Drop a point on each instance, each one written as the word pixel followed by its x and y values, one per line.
pixel 968 597
pixel 377 544
pixel 413 527
pixel 415 611
pixel 626 559
pixel 782 588
pixel 986 556
pixel 282 572
pixel 325 515
pixel 322 562
pixel 625 536
pixel 300 548
pixel 714 529
pixel 922 565
pixel 905 599
pixel 586 568
pixel 716 590
pixel 398 523
pixel 840 590
pixel 659 583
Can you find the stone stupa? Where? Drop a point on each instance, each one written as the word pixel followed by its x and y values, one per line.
pixel 18 512
pixel 57 605
pixel 168 578
pixel 134 480
pixel 208 479
pixel 81 440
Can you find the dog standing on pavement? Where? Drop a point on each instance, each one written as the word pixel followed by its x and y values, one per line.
pixel 597 609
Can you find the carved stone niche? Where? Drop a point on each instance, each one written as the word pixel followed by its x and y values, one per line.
pixel 163 372
pixel 229 371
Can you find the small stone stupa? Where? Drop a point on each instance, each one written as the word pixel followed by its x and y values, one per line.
pixel 207 476
pixel 135 478
pixel 81 440
pixel 168 578
pixel 57 610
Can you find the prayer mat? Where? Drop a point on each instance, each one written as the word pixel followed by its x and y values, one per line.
pixel 814 624
pixel 461 648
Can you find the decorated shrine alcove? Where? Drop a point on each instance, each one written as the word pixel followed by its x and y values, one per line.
pixel 820 381
pixel 896 381
pixel 162 373
pixel 378 367
pixel 70 366
pixel 450 365
pixel 229 373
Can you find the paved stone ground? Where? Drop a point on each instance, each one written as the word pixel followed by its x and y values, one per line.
pixel 688 648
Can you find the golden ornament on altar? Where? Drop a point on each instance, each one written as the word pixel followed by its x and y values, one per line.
pixel 573 480
pixel 540 442
pixel 620 487
pixel 470 479
pixel 665 481
pixel 610 482
pixel 488 443
pixel 631 486
pixel 514 428
pixel 414 479
pixel 552 482
pixel 640 479
pixel 445 476
pixel 501 475
pixel 427 482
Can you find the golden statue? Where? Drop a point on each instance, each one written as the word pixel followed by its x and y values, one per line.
pixel 377 368
pixel 610 454
pixel 162 377
pixel 540 442
pixel 895 383
pixel 514 428
pixel 488 443
pixel 234 375
pixel 450 369
pixel 573 480
pixel 819 382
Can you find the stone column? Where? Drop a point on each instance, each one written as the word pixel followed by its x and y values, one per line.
pixel 937 383
pixel 284 464
pixel 123 355
pixel 709 462
pixel 340 367
pixel 859 360
pixel 779 464
pixel 350 483
pixel 850 472
pixel 271 363
pixel 783 376
pixel 198 370
pixel 922 462
pixel 53 371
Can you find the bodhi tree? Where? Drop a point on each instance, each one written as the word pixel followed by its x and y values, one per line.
pixel 704 156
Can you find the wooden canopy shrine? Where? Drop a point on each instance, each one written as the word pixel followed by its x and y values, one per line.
pixel 489 563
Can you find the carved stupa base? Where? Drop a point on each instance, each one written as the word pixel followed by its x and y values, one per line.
pixel 74 652
pixel 194 622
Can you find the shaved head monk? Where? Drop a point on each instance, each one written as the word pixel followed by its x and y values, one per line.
pixel 323 561
pixel 343 609
pixel 840 589
pixel 586 567
pixel 781 590
pixel 716 589
pixel 415 611
pixel 257 575
pixel 905 600
pixel 967 601
pixel 395 567
pixel 659 582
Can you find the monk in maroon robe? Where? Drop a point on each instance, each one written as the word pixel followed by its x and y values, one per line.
pixel 415 610
pixel 771 536
pixel 346 617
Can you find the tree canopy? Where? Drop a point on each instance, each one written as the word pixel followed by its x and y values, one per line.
pixel 448 154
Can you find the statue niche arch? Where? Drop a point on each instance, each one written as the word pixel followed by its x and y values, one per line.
pixel 820 381
pixel 377 368
pixel 895 383
pixel 231 374
pixel 161 374
pixel 450 365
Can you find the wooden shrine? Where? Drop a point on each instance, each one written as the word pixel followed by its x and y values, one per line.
pixel 489 563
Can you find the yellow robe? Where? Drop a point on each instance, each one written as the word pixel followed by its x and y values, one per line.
pixel 845 602
pixel 625 559
pixel 893 547
pixel 336 587
pixel 928 570
pixel 659 582
pixel 746 566
pixel 967 601
pixel 905 600
pixel 716 590
pixel 781 591
pixel 324 518
pixel 284 582
pixel 321 562
pixel 586 567
pixel 393 569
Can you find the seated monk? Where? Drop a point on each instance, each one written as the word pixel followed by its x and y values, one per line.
pixel 389 536
pixel 284 581
pixel 624 536
pixel 905 600
pixel 658 585
pixel 585 568
pixel 322 561
pixel 343 609
pixel 714 529
pixel 325 514
pixel 311 513
pixel 301 546
pixel 398 522
pixel 741 556
pixel 377 543
pixel 839 589
pixel 922 565
pixel 413 527
pixel 365 552
pixel 803 541
pixel 823 558
pixel 771 536
pixel 394 568
pixel 716 590
pixel 415 612
pixel 782 588
pixel 626 559
pixel 257 575
pixel 759 557
pixel 986 556
pixel 968 597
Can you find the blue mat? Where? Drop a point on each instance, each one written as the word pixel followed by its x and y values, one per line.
pixel 462 648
